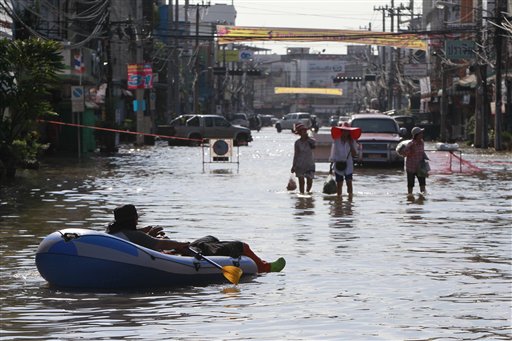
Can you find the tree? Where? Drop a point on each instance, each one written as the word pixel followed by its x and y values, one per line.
pixel 28 71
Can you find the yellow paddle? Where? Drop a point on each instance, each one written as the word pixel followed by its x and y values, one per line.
pixel 232 273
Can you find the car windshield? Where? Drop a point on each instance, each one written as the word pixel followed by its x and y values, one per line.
pixel 180 121
pixel 239 117
pixel 375 125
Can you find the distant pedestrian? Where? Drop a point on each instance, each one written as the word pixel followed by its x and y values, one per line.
pixel 414 153
pixel 343 150
pixel 303 162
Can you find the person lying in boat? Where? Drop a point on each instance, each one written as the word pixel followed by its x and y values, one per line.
pixel 125 223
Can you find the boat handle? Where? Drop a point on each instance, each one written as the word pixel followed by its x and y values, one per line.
pixel 70 236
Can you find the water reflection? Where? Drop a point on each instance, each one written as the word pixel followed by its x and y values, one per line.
pixel 340 207
pixel 304 205
pixel 448 254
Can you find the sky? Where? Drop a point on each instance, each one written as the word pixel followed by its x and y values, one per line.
pixel 332 14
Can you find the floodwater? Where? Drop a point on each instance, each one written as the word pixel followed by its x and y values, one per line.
pixel 377 267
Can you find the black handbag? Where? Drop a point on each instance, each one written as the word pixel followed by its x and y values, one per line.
pixel 341 165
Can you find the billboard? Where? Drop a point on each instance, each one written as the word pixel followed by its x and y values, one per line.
pixel 320 73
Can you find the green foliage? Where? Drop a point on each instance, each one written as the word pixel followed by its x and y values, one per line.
pixel 506 139
pixel 29 148
pixel 28 71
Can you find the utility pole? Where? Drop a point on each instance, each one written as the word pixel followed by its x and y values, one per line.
pixel 177 78
pixel 109 139
pixel 170 64
pixel 139 92
pixel 481 137
pixel 398 94
pixel 500 7
pixel 382 50
pixel 196 65
pixel 391 80
pixel 444 95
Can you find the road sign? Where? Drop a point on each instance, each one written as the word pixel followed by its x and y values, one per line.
pixel 77 93
pixel 415 70
pixel 460 49
pixel 77 99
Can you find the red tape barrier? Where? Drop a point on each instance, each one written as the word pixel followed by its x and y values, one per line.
pixel 121 131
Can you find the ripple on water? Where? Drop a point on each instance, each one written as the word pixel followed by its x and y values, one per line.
pixel 377 267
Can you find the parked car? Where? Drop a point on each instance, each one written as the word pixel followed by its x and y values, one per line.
pixel 291 119
pixel 197 127
pixel 240 119
pixel 379 138
pixel 266 120
pixel 407 122
pixel 343 119
pixel 333 121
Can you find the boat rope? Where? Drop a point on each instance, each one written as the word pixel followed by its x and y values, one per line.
pixel 120 131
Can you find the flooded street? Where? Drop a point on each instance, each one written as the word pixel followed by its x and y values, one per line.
pixel 377 267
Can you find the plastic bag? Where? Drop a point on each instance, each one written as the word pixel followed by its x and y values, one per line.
pixel 329 186
pixel 423 169
pixel 292 185
pixel 401 147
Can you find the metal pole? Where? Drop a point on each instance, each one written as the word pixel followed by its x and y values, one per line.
pixel 478 140
pixel 391 79
pixel 196 65
pixel 177 78
pixel 139 93
pixel 444 96
pixel 170 64
pixel 499 56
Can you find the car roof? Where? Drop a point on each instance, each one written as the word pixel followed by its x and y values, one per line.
pixel 372 116
pixel 207 115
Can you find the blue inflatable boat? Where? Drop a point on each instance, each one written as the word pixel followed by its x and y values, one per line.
pixel 87 259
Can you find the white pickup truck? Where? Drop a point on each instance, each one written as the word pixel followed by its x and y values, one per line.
pixel 379 139
pixel 290 120
pixel 192 129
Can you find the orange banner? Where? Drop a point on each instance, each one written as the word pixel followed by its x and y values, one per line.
pixel 235 34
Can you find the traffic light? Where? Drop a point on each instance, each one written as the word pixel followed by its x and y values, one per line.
pixel 249 72
pixel 253 72
pixel 339 79
pixel 237 72
pixel 218 70
pixel 370 78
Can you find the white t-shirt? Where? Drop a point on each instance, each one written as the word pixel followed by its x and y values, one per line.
pixel 340 151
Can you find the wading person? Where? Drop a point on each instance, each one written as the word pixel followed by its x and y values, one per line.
pixel 303 163
pixel 125 227
pixel 343 150
pixel 414 153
